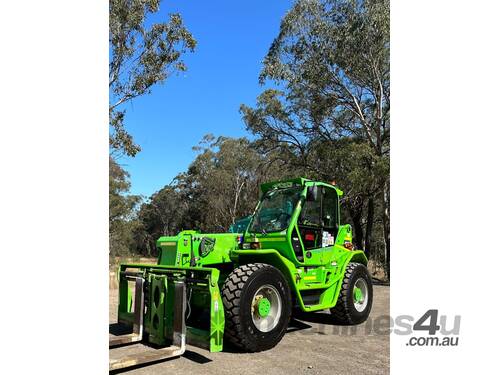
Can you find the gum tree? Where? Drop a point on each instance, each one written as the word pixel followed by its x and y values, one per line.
pixel 330 68
pixel 141 55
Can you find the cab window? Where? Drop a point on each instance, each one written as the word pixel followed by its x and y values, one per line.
pixel 311 213
pixel 330 209
pixel 317 217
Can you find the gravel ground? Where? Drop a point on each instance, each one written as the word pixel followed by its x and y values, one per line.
pixel 313 345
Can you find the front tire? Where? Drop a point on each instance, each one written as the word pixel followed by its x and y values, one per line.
pixel 257 305
pixel 356 296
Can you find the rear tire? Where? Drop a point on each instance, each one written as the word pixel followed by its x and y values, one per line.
pixel 247 326
pixel 353 306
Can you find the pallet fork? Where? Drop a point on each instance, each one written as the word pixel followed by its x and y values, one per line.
pixel 178 339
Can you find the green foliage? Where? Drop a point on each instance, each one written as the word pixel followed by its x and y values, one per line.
pixel 329 111
pixel 331 63
pixel 122 223
pixel 162 214
pixel 140 57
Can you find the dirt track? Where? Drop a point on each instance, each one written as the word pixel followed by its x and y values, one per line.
pixel 313 345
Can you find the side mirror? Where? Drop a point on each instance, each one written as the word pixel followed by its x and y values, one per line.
pixel 312 193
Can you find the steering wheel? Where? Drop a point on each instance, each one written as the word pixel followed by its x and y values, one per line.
pixel 287 216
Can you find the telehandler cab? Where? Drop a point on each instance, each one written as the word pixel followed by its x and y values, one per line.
pixel 241 287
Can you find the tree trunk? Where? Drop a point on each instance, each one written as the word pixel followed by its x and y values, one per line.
pixel 356 215
pixel 387 238
pixel 387 248
pixel 369 227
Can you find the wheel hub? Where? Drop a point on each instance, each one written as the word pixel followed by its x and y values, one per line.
pixel 264 306
pixel 358 295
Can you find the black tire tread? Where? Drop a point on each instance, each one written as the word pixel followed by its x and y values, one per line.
pixel 340 311
pixel 231 292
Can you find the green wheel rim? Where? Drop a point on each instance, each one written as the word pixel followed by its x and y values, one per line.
pixel 360 295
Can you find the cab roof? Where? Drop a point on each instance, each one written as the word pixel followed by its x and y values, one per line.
pixel 299 181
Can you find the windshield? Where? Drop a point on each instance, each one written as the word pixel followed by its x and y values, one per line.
pixel 275 210
pixel 240 225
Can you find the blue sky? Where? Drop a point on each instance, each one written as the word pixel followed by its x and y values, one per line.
pixel 233 38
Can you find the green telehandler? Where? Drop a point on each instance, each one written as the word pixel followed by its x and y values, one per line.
pixel 242 287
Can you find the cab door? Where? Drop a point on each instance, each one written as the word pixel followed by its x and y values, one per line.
pixel 318 225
